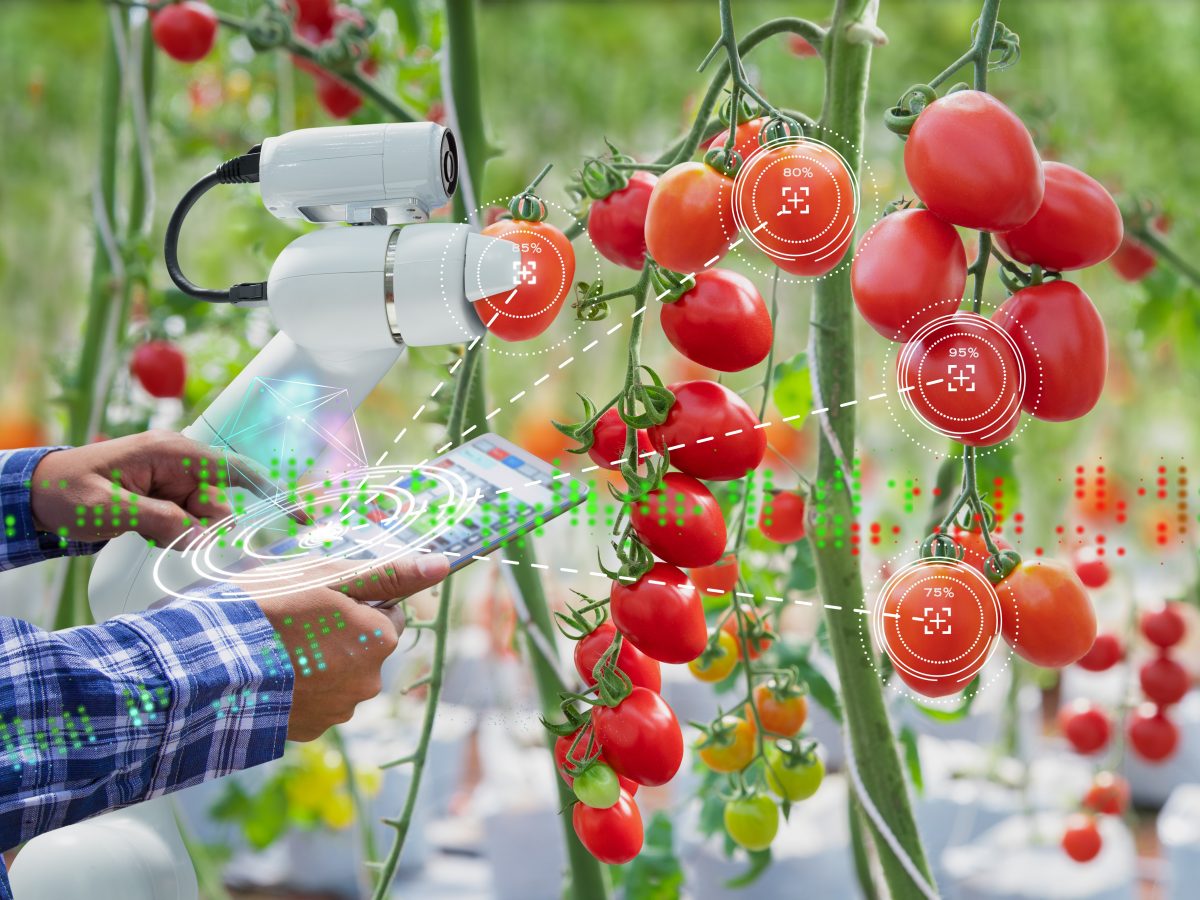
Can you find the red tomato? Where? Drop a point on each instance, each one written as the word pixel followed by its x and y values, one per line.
pixel 608 444
pixel 973 163
pixel 1133 260
pixel 660 614
pixel 640 737
pixel 782 517
pixel 800 46
pixel 747 647
pixel 1081 838
pixel 339 99
pixel 1163 680
pixel 938 625
pixel 1105 653
pixel 705 409
pixel 719 578
pixel 910 269
pixel 617 223
pixel 960 376
pixel 1164 627
pixel 1086 726
pixel 546 274
pixel 641 669
pixel 798 202
pixel 1108 795
pixel 612 835
pixel 745 142
pixel 1154 737
pixel 721 323
pixel 689 222
pixel 1091 567
pixel 1062 340
pixel 1078 224
pixel 315 13
pixel 782 715
pixel 975 551
pixel 185 31
pixel 680 522
pixel 160 368
pixel 562 746
pixel 1046 614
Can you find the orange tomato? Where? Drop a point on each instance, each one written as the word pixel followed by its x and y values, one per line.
pixel 731 750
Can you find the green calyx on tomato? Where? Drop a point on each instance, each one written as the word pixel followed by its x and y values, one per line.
pixel 528 206
pixel 940 545
pixel 780 128
pixel 725 160
pixel 794 770
pixel 752 821
pixel 999 566
pixel 900 118
pixel 597 786
pixel 670 286
pixel 745 111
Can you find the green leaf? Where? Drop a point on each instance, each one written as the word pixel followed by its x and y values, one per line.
pixel 959 712
pixel 760 861
pixel 819 687
pixel 912 758
pixel 792 392
pixel 408 21
pixel 804 568
pixel 655 874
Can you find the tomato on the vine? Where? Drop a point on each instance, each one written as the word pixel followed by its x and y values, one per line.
pixel 562 747
pixel 608 441
pixel 745 140
pixel 910 269
pixel 975 550
pixel 979 415
pixel 617 223
pixel 724 659
pixel 1091 566
pixel 1106 652
pixel 938 626
pixel 160 368
pixel 690 217
pixel 752 821
pixel 1086 726
pixel 748 647
pixel 1064 346
pixel 732 748
pixel 1163 680
pixel 614 835
pixel 185 31
pixel 801 47
pixel 597 786
pixel 1133 260
pixel 338 99
pixel 660 614
pixel 1077 225
pixel 782 517
pixel 719 578
pixel 707 410
pixel 1164 627
pixel 1153 736
pixel 640 669
pixel 1046 614
pixel 1081 838
pixel 721 322
pixel 680 521
pixel 781 713
pixel 792 778
pixel 315 13
pixel 973 163
pixel 640 737
pixel 545 276
pixel 798 202
pixel 1108 794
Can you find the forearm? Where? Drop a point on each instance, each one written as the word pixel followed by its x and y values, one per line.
pixel 100 717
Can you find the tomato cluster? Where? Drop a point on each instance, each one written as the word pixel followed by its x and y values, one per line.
pixel 1108 795
pixel 973 165
pixel 1153 735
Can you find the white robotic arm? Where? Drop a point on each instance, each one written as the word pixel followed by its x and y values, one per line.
pixel 347 301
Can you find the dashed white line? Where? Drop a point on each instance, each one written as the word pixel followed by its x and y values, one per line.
pixel 418 412
pixel 542 379
pixel 515 397
pixel 566 362
pixel 590 346
pixel 847 403
pixel 495 412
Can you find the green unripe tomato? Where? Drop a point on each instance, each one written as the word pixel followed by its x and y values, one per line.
pixel 597 787
pixel 752 822
pixel 790 779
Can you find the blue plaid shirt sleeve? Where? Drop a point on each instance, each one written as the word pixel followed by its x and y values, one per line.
pixel 23 544
pixel 99 717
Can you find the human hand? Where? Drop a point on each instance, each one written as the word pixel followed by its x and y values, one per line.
pixel 337 643
pixel 158 483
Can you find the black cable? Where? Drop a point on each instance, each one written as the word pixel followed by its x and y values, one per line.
pixel 239 170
